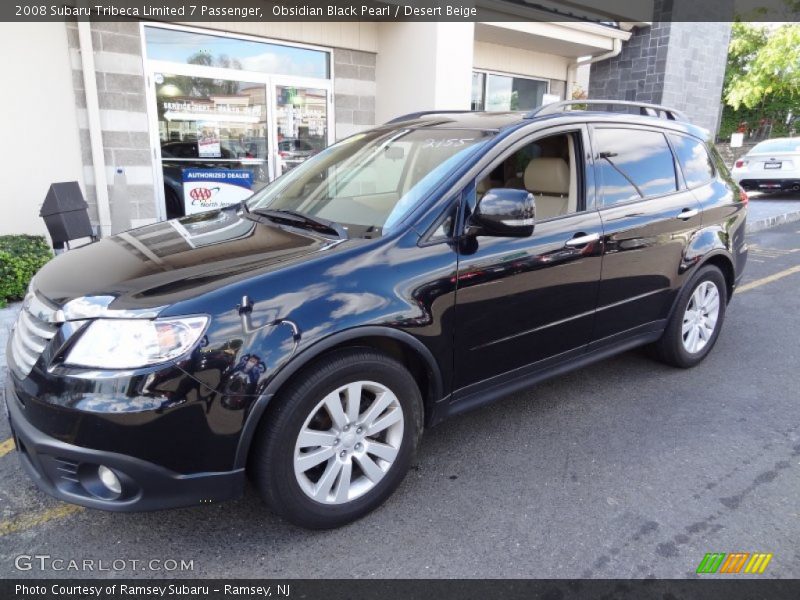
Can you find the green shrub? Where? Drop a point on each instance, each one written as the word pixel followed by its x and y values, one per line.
pixel 20 257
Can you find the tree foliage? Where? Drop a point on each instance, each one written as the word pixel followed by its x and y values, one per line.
pixel 763 65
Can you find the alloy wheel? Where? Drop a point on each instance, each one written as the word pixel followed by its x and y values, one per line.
pixel 348 442
pixel 700 317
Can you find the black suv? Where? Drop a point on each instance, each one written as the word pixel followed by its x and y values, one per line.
pixel 406 274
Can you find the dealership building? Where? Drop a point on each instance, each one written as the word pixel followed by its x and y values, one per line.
pixel 132 109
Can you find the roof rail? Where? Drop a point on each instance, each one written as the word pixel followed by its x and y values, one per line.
pixel 422 113
pixel 649 110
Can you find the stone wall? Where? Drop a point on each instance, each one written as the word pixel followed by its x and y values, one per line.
pixel 676 61
pixel 696 69
pixel 638 72
pixel 123 116
pixel 354 91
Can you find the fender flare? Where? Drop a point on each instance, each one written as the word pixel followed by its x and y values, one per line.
pixel 302 359
pixel 723 252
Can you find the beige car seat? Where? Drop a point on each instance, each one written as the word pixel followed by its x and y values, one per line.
pixel 548 179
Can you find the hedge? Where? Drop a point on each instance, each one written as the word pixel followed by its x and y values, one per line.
pixel 774 109
pixel 20 257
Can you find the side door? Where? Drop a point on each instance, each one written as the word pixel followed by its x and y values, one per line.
pixel 649 218
pixel 520 301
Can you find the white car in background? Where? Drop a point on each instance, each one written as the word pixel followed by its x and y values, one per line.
pixel 771 166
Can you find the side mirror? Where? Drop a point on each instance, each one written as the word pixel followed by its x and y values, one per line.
pixel 504 212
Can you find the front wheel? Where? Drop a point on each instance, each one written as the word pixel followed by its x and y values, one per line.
pixel 694 327
pixel 340 440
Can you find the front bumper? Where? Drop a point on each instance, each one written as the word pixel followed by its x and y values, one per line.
pixel 69 473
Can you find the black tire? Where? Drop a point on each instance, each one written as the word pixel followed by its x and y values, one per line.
pixel 670 348
pixel 272 459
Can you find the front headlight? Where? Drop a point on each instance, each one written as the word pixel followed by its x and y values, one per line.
pixel 134 343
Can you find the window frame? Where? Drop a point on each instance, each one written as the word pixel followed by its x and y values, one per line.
pixel 488 73
pixel 580 158
pixel 467 185
pixel 684 181
pixel 680 184
pixel 454 204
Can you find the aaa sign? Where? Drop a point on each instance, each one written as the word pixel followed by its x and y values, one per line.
pixel 210 189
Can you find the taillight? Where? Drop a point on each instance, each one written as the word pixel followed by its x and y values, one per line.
pixel 739 164
pixel 743 196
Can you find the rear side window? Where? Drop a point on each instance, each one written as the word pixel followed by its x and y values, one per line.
pixel 694 160
pixel 633 164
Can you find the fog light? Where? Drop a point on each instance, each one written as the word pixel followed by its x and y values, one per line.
pixel 109 479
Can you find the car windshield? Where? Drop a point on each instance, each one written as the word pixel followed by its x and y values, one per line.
pixel 370 181
pixel 786 145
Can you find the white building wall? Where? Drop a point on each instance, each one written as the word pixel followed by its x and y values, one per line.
pixel 423 66
pixel 506 59
pixel 361 36
pixel 582 77
pixel 40 125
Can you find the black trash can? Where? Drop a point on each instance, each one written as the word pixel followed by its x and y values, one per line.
pixel 66 214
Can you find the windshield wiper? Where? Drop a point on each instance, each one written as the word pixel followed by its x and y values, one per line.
pixel 294 217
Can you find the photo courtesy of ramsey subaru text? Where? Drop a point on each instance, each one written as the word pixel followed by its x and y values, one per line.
pixel 308 336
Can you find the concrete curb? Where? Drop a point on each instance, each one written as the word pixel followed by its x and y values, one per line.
pixel 774 221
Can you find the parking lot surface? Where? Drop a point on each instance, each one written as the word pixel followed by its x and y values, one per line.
pixel 627 468
pixel 765 207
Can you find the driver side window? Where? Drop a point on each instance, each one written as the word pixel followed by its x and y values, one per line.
pixel 548 168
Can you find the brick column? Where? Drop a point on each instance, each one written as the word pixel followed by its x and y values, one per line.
pixel 121 89
pixel 354 91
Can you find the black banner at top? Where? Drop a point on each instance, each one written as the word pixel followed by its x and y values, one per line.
pixel 606 12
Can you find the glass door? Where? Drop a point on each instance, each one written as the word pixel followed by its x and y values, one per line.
pixel 301 129
pixel 213 137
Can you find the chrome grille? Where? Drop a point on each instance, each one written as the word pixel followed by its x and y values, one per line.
pixel 36 325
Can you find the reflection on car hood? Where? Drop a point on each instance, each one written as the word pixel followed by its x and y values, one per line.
pixel 166 262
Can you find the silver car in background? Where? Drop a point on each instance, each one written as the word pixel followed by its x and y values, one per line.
pixel 771 166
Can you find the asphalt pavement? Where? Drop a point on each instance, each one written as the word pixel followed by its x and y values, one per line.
pixel 627 468
pixel 771 209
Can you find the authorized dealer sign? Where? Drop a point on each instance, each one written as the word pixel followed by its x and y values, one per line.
pixel 149 591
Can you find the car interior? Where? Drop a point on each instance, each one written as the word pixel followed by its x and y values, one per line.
pixel 547 168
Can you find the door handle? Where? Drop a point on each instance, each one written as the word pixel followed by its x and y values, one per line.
pixel 582 240
pixel 688 213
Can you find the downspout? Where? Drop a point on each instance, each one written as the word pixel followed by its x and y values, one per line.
pixel 572 68
pixel 95 129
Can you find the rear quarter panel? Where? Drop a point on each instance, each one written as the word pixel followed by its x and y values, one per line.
pixel 724 218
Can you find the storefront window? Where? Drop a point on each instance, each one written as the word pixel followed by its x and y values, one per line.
pixel 213 136
pixel 503 92
pixel 193 48
pixel 302 119
pixel 478 90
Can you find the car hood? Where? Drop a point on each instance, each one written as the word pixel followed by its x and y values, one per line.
pixel 160 264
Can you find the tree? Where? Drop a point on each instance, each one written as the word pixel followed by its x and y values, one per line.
pixel 762 80
pixel 762 65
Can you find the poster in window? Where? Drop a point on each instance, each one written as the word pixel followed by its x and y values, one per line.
pixel 208 145
pixel 209 189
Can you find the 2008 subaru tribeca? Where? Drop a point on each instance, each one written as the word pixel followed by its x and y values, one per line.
pixel 406 274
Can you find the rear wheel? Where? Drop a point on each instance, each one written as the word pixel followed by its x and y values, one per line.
pixel 694 327
pixel 340 440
